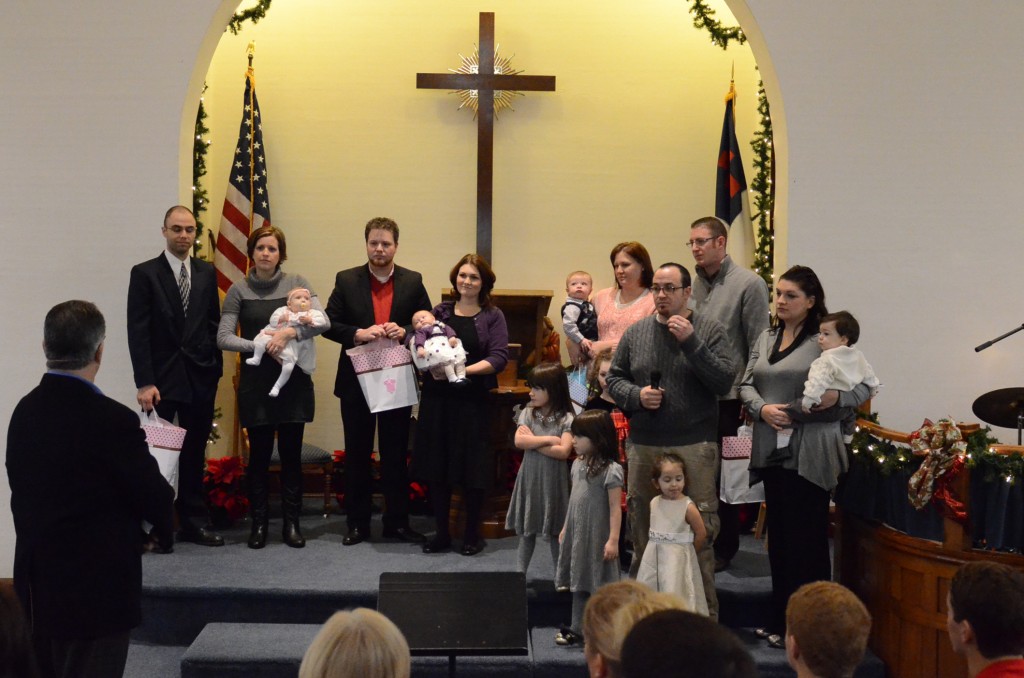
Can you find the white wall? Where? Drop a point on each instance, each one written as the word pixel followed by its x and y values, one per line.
pixel 900 120
pixel 904 156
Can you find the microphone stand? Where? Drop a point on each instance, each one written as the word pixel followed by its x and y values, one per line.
pixel 982 347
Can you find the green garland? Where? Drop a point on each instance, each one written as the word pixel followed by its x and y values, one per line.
pixel 199 149
pixel 201 143
pixel 889 457
pixel 704 17
pixel 253 14
pixel 763 183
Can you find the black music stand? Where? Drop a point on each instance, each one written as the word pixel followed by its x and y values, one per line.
pixel 457 613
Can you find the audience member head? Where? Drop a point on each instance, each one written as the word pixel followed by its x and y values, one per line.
pixel 637 262
pixel 381 224
pixel 17 659
pixel 358 643
pixel 73 334
pixel 609 615
pixel 827 629
pixel 680 644
pixel 985 613
pixel 483 269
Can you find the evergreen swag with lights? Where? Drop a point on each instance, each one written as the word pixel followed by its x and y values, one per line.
pixel 763 183
pixel 887 457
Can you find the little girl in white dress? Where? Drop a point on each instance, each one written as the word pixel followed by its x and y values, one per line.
pixel 677 533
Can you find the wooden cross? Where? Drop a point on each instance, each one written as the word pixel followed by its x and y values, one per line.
pixel 486 83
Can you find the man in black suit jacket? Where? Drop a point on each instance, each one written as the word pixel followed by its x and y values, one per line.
pixel 82 481
pixel 370 302
pixel 175 357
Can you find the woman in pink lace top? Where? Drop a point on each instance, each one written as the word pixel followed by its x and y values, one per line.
pixel 630 300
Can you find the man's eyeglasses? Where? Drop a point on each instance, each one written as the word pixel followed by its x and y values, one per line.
pixel 699 242
pixel 667 289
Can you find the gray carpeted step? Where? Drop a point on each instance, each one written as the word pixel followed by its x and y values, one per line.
pixel 242 650
pixel 196 585
pixel 146 660
pixel 276 650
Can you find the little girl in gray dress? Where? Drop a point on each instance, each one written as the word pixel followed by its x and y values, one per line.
pixel 541 493
pixel 589 557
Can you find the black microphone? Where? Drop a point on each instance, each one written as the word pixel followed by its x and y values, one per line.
pixel 655 379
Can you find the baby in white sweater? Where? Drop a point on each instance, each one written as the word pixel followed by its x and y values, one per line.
pixel 840 366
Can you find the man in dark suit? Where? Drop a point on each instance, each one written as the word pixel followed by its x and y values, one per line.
pixel 82 481
pixel 370 302
pixel 173 313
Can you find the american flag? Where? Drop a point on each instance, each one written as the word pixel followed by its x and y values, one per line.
pixel 247 202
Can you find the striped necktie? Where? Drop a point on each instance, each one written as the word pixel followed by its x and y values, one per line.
pixel 183 287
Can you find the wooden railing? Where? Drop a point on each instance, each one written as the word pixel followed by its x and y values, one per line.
pixel 904 580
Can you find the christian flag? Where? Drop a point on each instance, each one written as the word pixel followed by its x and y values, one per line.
pixel 731 203
pixel 246 203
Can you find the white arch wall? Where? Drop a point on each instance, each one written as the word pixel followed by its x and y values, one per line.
pixel 896 122
pixel 904 143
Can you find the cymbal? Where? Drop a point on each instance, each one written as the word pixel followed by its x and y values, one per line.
pixel 1000 407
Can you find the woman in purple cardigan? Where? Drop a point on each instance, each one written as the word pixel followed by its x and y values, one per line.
pixel 451 448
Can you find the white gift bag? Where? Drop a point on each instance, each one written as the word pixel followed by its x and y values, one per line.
pixel 164 440
pixel 735 485
pixel 385 373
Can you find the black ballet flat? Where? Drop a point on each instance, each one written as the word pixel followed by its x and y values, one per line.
pixel 776 641
pixel 436 545
pixel 567 637
pixel 472 548
pixel 762 633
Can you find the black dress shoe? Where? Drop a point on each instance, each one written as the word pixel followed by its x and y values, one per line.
pixel 436 545
pixel 406 534
pixel 201 536
pixel 473 548
pixel 355 535
pixel 776 641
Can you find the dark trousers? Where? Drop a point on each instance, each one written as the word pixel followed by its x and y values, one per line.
pixel 103 657
pixel 392 429
pixel 727 543
pixel 797 524
pixel 197 419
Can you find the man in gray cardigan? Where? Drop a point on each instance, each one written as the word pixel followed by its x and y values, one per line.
pixel 666 375
pixel 738 299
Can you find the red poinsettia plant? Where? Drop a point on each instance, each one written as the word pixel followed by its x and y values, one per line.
pixel 224 485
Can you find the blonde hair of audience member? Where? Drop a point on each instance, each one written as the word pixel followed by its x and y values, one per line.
pixel 827 630
pixel 358 643
pixel 610 613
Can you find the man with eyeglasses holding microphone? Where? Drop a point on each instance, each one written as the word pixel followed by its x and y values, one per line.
pixel 667 374
pixel 738 299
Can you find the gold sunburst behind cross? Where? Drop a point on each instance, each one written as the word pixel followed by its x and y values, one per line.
pixel 502 66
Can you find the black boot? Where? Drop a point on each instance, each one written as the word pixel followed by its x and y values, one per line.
pixel 258 511
pixel 291 506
